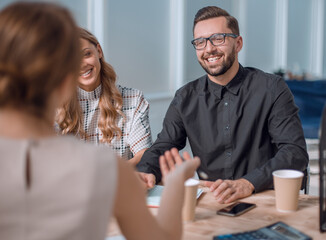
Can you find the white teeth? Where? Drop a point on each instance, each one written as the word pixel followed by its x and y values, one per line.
pixel 86 73
pixel 213 59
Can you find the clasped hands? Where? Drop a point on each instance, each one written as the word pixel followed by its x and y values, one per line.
pixel 224 191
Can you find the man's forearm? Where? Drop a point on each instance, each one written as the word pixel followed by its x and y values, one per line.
pixel 150 164
pixel 262 179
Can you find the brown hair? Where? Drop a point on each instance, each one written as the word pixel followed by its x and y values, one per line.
pixel 39 48
pixel 213 12
pixel 70 118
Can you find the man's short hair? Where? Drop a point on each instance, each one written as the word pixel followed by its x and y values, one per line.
pixel 213 12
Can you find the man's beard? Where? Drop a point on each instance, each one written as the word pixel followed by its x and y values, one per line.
pixel 224 68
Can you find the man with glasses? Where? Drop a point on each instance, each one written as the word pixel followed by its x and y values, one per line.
pixel 241 122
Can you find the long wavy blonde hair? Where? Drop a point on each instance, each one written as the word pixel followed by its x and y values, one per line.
pixel 70 118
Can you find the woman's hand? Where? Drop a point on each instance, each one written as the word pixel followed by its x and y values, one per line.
pixel 173 165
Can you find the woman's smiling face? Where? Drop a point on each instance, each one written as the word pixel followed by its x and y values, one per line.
pixel 89 76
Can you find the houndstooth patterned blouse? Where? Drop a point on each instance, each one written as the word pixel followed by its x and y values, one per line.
pixel 136 132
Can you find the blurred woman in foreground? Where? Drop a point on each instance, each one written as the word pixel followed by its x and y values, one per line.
pixel 58 187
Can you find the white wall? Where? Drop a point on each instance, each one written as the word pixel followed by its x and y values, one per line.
pixel 137 39
pixel 299 33
pixel 259 40
pixel 78 9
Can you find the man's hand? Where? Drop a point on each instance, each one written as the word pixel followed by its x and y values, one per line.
pixel 148 180
pixel 226 191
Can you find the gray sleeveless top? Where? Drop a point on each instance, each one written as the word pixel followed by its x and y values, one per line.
pixel 55 188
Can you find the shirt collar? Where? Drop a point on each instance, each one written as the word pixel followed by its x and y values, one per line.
pixel 233 86
pixel 93 95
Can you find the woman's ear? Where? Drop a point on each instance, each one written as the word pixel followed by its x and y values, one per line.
pixel 100 51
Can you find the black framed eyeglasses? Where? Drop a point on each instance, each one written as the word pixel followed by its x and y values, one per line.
pixel 216 40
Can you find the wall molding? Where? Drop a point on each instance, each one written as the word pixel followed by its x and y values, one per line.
pixel 95 20
pixel 317 38
pixel 240 12
pixel 177 32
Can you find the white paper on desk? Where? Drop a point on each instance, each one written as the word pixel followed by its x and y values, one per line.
pixel 154 195
pixel 119 237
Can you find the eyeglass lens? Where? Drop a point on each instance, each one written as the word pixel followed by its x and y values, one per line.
pixel 215 39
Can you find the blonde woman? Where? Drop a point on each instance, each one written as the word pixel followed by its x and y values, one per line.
pixel 104 112
pixel 57 187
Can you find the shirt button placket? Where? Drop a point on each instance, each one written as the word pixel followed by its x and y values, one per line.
pixel 227 137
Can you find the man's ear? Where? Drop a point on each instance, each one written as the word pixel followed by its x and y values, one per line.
pixel 239 44
pixel 100 51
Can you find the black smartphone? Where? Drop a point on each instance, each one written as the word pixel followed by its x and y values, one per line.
pixel 236 209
